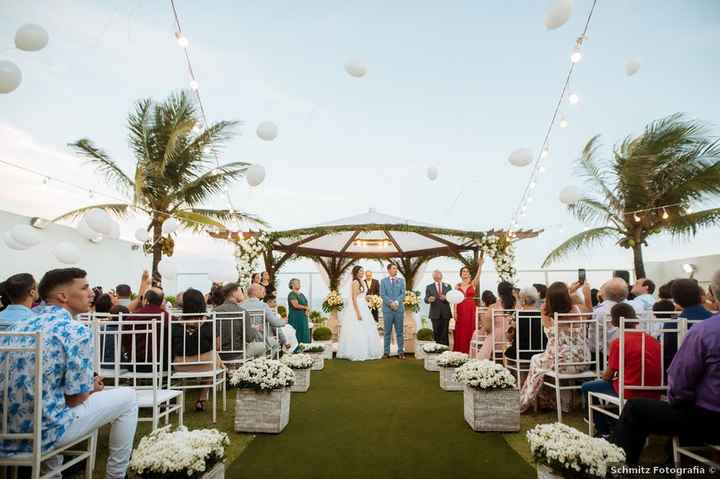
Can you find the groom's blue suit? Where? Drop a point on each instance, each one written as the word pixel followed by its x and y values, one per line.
pixel 393 290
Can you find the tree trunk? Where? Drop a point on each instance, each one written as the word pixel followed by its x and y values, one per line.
pixel 157 250
pixel 638 259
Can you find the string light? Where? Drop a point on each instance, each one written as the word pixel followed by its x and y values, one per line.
pixel 576 56
pixel 563 122
pixel 665 214
pixel 636 218
pixel 545 153
pixel 573 98
pixel 194 85
pixel 182 40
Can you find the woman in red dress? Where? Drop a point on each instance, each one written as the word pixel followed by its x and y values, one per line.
pixel 465 311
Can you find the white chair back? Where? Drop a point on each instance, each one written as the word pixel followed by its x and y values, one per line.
pixel 185 340
pixel 640 327
pixel 528 325
pixel 500 321
pixel 572 351
pixel 231 328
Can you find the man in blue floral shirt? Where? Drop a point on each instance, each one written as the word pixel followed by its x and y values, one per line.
pixel 74 402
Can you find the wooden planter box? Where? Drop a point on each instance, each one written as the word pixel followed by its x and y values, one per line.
pixel 419 351
pixel 257 411
pixel 328 353
pixel 431 362
pixel 409 331
pixel 217 472
pixel 493 410
pixel 447 379
pixel 545 472
pixel 319 363
pixel 302 380
pixel 334 325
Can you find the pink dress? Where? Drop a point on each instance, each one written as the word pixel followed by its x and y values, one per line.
pixel 465 322
pixel 502 323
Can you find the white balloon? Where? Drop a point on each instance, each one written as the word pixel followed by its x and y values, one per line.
pixel 142 235
pixel 167 268
pixel 255 175
pixel 455 296
pixel 99 221
pixel 31 38
pixel 87 232
pixel 356 68
pixel 570 195
pixel 632 66
pixel 223 274
pixel 170 226
pixel 10 76
pixel 432 173
pixel 67 253
pixel 521 157
pixel 115 233
pixel 26 235
pixel 267 131
pixel 558 13
pixel 12 244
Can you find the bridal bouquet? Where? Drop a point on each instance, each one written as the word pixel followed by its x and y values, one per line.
pixel 484 374
pixel 311 348
pixel 263 375
pixel 298 361
pixel 434 348
pixel 572 453
pixel 452 359
pixel 333 302
pixel 374 301
pixel 412 301
pixel 180 454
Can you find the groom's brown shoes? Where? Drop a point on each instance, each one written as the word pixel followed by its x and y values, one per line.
pixel 402 356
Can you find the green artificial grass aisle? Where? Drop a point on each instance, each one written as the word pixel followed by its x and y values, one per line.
pixel 380 419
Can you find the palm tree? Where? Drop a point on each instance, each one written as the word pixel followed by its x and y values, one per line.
pixel 175 170
pixel 673 164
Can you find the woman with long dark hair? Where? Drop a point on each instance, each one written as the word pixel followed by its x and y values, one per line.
pixel 465 311
pixel 17 294
pixel 359 338
pixel 502 312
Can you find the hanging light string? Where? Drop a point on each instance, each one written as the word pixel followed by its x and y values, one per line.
pixel 538 169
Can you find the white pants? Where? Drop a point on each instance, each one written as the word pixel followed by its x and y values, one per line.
pixel 117 406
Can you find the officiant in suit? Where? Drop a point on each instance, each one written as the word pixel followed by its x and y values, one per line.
pixel 372 286
pixel 440 312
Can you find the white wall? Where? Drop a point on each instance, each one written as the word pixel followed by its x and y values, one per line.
pixel 664 271
pixel 108 263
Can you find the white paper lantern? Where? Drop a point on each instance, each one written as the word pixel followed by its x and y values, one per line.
pixel 521 157
pixel 267 131
pixel 558 13
pixel 570 195
pixel 356 68
pixel 632 66
pixel 26 235
pixel 432 173
pixel 223 274
pixel 142 235
pixel 115 233
pixel 170 226
pixel 167 268
pixel 67 253
pixel 255 175
pixel 87 232
pixel 99 221
pixel 455 296
pixel 10 76
pixel 11 243
pixel 31 38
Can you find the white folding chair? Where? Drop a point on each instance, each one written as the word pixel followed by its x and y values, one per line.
pixel 29 347
pixel 184 345
pixel 601 403
pixel 478 336
pixel 528 324
pixel 230 327
pixel 576 332
pixel 500 321
pixel 270 337
pixel 140 365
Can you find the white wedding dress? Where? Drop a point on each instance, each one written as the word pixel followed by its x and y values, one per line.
pixel 359 339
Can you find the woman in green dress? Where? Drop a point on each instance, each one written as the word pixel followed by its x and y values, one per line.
pixel 298 312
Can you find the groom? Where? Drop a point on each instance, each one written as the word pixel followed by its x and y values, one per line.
pixel 392 292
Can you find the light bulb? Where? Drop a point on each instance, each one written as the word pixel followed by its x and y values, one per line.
pixel 194 85
pixel 196 129
pixel 636 218
pixel 573 98
pixel 545 153
pixel 563 123
pixel 182 40
pixel 532 185
pixel 576 56
pixel 541 169
pixel 45 182
pixel 665 214
pixel 530 200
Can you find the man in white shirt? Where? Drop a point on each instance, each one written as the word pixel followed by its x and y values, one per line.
pixel 254 303
pixel 613 292
pixel 643 302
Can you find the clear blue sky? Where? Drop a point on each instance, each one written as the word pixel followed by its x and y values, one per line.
pixel 457 84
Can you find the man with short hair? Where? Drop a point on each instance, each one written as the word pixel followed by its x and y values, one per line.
pixel 372 287
pixel 74 402
pixel 152 304
pixel 614 291
pixel 440 312
pixel 644 291
pixel 232 334
pixel 392 291
pixel 688 295
pixel 254 303
pixel 124 294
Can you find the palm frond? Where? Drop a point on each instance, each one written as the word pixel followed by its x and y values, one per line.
pixel 102 162
pixel 228 215
pixel 687 225
pixel 592 211
pixel 580 241
pixel 118 209
pixel 591 172
pixel 140 143
pixel 204 186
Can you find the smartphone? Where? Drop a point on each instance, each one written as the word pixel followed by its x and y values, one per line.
pixel 581 276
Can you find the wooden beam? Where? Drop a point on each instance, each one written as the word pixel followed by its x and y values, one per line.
pixel 349 242
pixel 305 240
pixel 447 243
pixel 392 239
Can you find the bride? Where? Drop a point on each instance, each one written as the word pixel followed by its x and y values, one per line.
pixel 359 338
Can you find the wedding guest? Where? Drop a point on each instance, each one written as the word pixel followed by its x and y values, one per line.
pixel 692 411
pixel 465 311
pixel 193 343
pixel 642 365
pixel 372 286
pixel 145 284
pixel 299 310
pixel 76 403
pixel 714 292
pixel 236 335
pixel 488 298
pixel 542 290
pixel 255 278
pixel 614 291
pixel 595 297
pixel 644 289
pixel 688 295
pixel 440 312
pixel 500 313
pixel 529 327
pixel 104 304
pixel 271 301
pixel 17 293
pixel 124 294
pixel 152 305
pixel 254 304
pixel 215 297
pixel 570 343
pixel 268 285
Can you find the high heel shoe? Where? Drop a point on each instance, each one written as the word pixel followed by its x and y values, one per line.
pixel 200 406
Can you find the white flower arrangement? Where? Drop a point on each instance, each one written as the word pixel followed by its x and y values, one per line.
pixel 565 449
pixel 434 348
pixel 298 361
pixel 333 302
pixel 484 374
pixel 374 301
pixel 263 375
pixel 502 252
pixel 312 348
pixel 182 453
pixel 247 251
pixel 412 301
pixel 452 359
